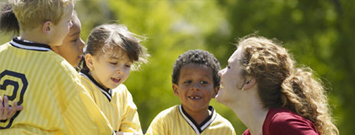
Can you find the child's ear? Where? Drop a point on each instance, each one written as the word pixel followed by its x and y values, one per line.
pixel 175 89
pixel 46 27
pixel 89 62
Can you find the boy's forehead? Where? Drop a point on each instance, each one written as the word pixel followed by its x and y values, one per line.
pixel 196 68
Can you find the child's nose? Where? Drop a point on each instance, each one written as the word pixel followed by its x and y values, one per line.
pixel 196 86
pixel 119 70
pixel 81 45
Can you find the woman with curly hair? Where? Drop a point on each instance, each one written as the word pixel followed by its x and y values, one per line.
pixel 270 95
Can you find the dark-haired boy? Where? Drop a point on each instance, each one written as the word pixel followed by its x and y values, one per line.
pixel 195 81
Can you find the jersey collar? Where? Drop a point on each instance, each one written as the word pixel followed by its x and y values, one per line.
pixel 106 92
pixel 28 45
pixel 198 128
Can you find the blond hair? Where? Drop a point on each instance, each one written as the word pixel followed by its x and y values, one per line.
pixel 281 84
pixel 33 13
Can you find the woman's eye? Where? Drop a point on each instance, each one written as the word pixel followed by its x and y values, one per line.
pixel 228 67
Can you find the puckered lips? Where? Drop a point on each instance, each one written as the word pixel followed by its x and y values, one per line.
pixel 220 86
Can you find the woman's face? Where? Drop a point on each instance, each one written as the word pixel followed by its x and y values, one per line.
pixel 231 79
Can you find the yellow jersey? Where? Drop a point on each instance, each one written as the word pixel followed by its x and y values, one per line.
pixel 117 105
pixel 50 91
pixel 175 121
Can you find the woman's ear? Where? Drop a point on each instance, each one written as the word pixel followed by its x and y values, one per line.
pixel 89 61
pixel 46 27
pixel 249 83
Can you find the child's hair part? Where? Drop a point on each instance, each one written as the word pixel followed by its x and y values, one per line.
pixel 33 13
pixel 197 57
pixel 109 38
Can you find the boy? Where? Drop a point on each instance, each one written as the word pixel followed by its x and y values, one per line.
pixel 195 81
pixel 45 84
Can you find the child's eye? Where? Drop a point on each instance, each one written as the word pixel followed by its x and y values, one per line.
pixel 113 63
pixel 204 82
pixel 75 40
pixel 129 66
pixel 187 82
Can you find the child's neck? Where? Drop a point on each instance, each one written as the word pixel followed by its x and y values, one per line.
pixel 34 35
pixel 200 116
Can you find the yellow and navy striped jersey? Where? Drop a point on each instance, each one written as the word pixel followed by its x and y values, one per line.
pixel 50 91
pixel 117 105
pixel 175 121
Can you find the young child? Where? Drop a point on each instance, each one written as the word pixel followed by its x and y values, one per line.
pixel 72 46
pixel 72 43
pixel 110 54
pixel 195 81
pixel 71 49
pixel 47 86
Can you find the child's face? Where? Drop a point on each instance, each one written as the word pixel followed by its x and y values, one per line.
pixel 195 87
pixel 72 47
pixel 60 30
pixel 110 71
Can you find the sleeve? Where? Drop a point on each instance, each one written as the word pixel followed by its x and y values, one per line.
pixel 130 121
pixel 82 115
pixel 157 126
pixel 289 125
pixel 246 132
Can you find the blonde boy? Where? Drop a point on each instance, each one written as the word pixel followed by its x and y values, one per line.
pixel 44 83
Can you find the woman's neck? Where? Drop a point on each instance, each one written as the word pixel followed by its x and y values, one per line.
pixel 251 112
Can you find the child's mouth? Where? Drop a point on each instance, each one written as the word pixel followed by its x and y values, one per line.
pixel 116 80
pixel 195 97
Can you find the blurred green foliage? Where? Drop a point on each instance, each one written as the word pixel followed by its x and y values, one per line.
pixel 318 33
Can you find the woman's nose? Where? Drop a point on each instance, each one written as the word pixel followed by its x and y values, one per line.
pixel 220 72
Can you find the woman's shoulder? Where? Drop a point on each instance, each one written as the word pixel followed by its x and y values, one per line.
pixel 279 120
pixel 282 114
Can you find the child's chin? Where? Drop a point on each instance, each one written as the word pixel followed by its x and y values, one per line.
pixel 114 86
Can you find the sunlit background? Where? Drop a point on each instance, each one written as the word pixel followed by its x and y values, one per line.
pixel 319 34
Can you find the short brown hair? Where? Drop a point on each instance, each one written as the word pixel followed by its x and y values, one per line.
pixel 109 37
